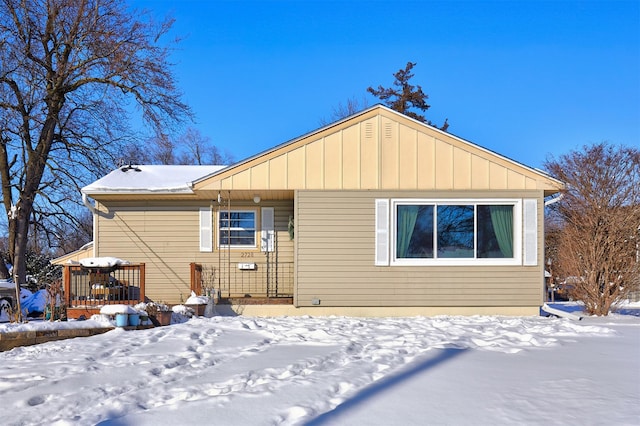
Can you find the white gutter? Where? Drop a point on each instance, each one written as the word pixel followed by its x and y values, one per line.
pixel 553 200
pixel 87 203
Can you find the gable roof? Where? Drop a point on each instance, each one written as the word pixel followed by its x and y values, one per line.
pixel 157 179
pixel 378 148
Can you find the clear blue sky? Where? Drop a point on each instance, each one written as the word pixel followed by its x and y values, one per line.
pixel 523 78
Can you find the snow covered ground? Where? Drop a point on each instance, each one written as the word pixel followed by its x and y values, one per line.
pixel 333 371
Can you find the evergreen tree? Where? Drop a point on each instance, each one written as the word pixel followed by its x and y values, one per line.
pixel 404 97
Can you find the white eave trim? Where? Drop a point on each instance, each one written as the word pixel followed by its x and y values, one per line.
pixel 132 191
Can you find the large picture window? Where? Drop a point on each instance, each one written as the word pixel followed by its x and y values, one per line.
pixel 467 232
pixel 237 228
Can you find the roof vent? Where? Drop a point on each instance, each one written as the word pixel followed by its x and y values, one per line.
pixel 368 130
pixel 130 167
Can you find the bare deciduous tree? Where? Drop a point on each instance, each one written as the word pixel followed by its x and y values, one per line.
pixel 350 107
pixel 71 238
pixel 599 238
pixel 162 149
pixel 190 148
pixel 71 73
pixel 198 149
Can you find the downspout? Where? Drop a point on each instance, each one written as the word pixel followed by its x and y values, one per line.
pixel 546 292
pixel 87 203
pixel 94 211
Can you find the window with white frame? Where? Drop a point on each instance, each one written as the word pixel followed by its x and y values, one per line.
pixel 237 228
pixel 455 232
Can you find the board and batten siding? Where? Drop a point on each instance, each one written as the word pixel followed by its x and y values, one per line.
pixel 166 237
pixel 378 150
pixel 335 264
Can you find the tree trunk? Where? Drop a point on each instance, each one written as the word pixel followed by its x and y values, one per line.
pixel 4 272
pixel 35 169
pixel 20 249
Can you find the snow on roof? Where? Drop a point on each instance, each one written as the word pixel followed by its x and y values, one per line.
pixel 150 179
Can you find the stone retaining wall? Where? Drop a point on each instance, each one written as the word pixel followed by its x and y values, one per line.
pixel 26 338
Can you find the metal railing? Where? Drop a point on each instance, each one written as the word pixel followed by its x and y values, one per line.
pixel 123 284
pixel 271 280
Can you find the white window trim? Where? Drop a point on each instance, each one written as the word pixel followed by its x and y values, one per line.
pixel 238 246
pixel 517 231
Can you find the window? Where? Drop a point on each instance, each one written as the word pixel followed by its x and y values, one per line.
pixel 237 228
pixel 495 231
pixel 445 232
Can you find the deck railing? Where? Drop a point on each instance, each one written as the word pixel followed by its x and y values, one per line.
pixel 123 284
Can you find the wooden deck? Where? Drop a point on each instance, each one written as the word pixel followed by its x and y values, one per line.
pixel 87 290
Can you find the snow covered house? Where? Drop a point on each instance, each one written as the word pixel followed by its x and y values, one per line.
pixel 376 214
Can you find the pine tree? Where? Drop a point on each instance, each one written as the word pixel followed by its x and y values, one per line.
pixel 404 97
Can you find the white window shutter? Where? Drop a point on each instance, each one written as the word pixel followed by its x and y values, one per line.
pixel 206 231
pixel 382 232
pixel 267 237
pixel 530 232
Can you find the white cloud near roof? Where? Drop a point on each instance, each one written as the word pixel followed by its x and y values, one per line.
pixel 145 179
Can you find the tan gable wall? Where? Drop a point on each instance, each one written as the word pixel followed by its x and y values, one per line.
pixel 379 149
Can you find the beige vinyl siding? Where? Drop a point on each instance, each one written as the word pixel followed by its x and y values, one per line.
pixel 335 240
pixel 166 238
pixel 330 179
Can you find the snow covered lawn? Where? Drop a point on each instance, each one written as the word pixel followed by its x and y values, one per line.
pixel 333 371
